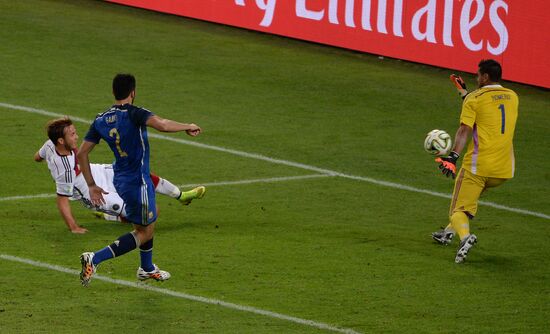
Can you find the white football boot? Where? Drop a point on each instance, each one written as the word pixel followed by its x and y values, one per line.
pixel 156 274
pixel 443 237
pixel 464 248
pixel 88 268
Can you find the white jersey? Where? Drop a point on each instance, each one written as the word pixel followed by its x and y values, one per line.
pixel 70 182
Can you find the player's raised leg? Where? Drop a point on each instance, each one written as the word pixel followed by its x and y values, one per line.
pixel 195 193
pixel 165 187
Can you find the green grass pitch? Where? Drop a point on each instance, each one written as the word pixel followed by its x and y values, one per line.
pixel 341 251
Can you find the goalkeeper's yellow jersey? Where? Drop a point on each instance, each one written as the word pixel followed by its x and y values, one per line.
pixel 491 112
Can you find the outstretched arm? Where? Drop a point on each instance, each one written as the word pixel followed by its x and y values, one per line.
pixel 96 192
pixel 65 211
pixel 37 157
pixel 166 125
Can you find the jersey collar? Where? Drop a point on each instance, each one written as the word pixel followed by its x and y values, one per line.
pixel 64 155
pixel 118 106
pixel 492 86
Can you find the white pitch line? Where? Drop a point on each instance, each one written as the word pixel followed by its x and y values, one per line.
pixel 290 163
pixel 211 184
pixel 182 141
pixel 16 198
pixel 41 112
pixel 182 295
pixel 267 180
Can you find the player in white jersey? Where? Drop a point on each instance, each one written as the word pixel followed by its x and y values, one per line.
pixel 70 183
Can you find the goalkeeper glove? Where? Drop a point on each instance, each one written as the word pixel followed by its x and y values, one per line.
pixel 459 84
pixel 448 164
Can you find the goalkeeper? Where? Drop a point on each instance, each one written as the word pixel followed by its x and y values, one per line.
pixel 489 117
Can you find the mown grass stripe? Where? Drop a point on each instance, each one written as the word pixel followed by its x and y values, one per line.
pixel 290 163
pixel 183 295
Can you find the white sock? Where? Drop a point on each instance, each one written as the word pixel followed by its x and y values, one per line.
pixel 165 187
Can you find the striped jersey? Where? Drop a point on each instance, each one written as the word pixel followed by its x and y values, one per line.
pixel 63 168
pixel 70 182
pixel 123 128
pixel 491 112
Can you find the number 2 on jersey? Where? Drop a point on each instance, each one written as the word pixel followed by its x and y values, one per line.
pixel 503 113
pixel 114 133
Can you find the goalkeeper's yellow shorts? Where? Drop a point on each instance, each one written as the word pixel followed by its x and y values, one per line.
pixel 468 188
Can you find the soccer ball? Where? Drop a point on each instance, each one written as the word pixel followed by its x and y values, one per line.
pixel 438 142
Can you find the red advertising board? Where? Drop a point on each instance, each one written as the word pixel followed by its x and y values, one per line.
pixel 454 34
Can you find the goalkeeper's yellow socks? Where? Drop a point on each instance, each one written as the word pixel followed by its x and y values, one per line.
pixel 461 224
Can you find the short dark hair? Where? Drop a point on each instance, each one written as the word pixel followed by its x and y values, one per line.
pixel 123 85
pixel 492 68
pixel 56 128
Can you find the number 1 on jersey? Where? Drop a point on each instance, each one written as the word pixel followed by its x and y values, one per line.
pixel 503 113
pixel 114 133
